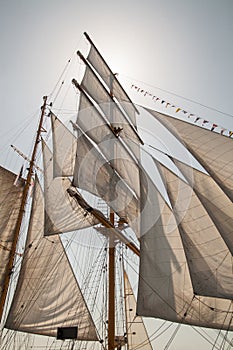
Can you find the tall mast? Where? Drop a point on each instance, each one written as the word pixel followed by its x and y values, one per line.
pixel 21 211
pixel 111 289
pixel 111 267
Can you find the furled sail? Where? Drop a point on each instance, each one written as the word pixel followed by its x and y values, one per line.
pixel 111 81
pixel 62 214
pixel 165 285
pixel 137 336
pixel 10 200
pixel 42 301
pixel 212 150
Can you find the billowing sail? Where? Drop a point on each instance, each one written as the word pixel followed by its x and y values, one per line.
pixel 47 295
pixel 92 85
pixel 212 150
pixel 111 81
pixel 10 200
pixel 165 285
pixel 216 203
pixel 92 123
pixel 211 274
pixel 137 336
pixel 64 148
pixel 62 213
pixel 93 173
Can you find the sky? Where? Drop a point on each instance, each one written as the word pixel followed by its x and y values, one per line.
pixel 178 50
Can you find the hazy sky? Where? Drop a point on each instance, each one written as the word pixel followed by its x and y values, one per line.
pixel 181 46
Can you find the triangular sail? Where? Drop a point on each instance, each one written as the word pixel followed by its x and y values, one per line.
pixel 137 336
pixel 10 200
pixel 165 287
pixel 62 214
pixel 214 151
pixel 47 295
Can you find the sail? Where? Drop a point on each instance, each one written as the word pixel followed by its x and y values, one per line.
pixel 92 85
pixel 216 203
pixel 64 148
pixel 47 295
pixel 92 123
pixel 92 173
pixel 211 274
pixel 10 200
pixel 62 213
pixel 111 81
pixel 165 285
pixel 212 150
pixel 137 336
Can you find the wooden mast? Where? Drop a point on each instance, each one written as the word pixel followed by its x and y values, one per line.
pixel 111 262
pixel 21 211
pixel 111 288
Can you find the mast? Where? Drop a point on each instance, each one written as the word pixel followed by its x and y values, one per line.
pixel 21 211
pixel 111 289
pixel 111 273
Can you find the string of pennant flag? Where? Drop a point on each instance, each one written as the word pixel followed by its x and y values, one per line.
pixel 177 109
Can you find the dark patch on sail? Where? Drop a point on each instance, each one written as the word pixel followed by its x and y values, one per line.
pixel 67 333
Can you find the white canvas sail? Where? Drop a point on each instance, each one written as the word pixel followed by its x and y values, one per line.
pixel 211 274
pixel 165 285
pixel 137 336
pixel 92 124
pixel 111 81
pixel 92 85
pixel 216 203
pixel 64 148
pixel 62 213
pixel 47 295
pixel 92 173
pixel 214 151
pixel 10 200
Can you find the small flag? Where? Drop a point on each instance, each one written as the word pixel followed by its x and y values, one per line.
pixel 222 131
pixel 214 126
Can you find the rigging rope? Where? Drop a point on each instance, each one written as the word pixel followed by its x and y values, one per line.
pixel 180 96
